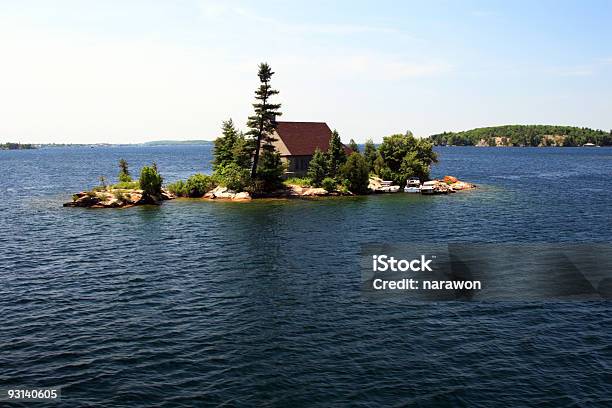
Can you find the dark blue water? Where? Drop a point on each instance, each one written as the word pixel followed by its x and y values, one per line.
pixel 259 304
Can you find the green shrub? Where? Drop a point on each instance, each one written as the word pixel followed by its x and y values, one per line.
pixel 199 184
pixel 178 188
pixel 232 176
pixel 150 181
pixel 356 172
pixel 329 184
pixel 317 168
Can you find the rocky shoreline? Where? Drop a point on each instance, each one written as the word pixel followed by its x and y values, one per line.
pixel 123 198
pixel 116 198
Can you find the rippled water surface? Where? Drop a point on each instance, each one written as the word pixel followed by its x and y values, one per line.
pixel 251 304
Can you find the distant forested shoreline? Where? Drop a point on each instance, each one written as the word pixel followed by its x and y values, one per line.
pixel 524 135
pixel 16 146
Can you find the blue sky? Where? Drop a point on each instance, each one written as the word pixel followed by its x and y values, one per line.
pixel 131 71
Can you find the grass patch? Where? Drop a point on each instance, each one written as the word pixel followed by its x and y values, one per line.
pixel 300 181
pixel 127 185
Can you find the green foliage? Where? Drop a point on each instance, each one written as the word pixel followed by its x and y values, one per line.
pixel 263 121
pixel 299 181
pixel 378 167
pixel 344 186
pixel 370 153
pixel 329 184
pixel 525 135
pixel 336 155
pixel 271 168
pixel 127 185
pixel 404 156
pixel 317 168
pixel 178 188
pixel 16 146
pixel 356 172
pixel 223 150
pixel 150 181
pixel 124 172
pixel 196 186
pixel 242 151
pixel 233 177
pixel 199 184
pixel 354 147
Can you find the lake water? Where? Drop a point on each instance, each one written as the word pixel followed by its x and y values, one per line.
pixel 259 304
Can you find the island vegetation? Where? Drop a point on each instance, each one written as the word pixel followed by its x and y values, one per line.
pixel 525 135
pixel 16 146
pixel 126 192
pixel 248 161
pixel 247 165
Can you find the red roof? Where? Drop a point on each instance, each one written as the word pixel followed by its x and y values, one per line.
pixel 303 138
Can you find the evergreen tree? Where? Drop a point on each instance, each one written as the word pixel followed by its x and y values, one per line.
pixel 124 172
pixel 353 146
pixel 370 154
pixel 224 145
pixel 242 152
pixel 317 168
pixel 262 123
pixel 336 154
pixel 271 168
pixel 356 171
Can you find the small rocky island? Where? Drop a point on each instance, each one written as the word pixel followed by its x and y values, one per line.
pixel 277 159
pixel 116 198
pixel 128 193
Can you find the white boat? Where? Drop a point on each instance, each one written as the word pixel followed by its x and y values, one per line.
pixel 388 187
pixel 428 189
pixel 413 185
pixel 433 187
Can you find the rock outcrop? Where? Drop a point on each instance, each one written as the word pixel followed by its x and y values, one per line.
pixel 225 193
pixel 456 185
pixel 293 190
pixel 116 198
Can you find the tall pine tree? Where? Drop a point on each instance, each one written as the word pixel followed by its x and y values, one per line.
pixel 262 123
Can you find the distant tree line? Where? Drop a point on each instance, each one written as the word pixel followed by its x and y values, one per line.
pixel 16 146
pixel 525 135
